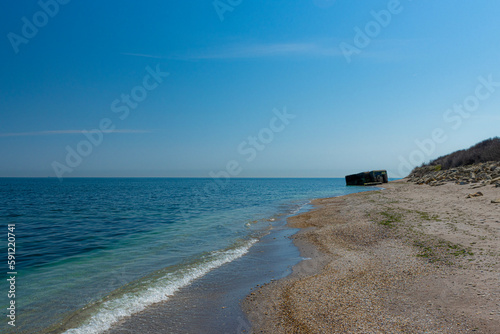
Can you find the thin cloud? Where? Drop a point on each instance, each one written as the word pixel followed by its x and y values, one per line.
pixel 328 48
pixel 270 50
pixel 65 132
pixel 143 55
pixel 253 51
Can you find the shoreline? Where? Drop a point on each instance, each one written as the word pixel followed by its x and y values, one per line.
pixel 211 304
pixel 410 258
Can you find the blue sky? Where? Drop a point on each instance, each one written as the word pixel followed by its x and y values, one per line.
pixel 232 67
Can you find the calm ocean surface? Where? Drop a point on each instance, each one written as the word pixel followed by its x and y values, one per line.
pixel 92 251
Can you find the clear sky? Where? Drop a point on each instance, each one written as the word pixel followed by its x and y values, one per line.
pixel 310 88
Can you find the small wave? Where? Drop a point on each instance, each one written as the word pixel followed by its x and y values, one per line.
pixel 298 208
pixel 13 215
pixel 112 311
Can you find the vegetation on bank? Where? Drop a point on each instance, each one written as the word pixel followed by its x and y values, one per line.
pixel 485 151
pixel 477 164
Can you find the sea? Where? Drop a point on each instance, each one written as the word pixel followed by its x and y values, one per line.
pixel 90 254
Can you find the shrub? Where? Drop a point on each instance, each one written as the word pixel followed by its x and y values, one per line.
pixel 487 150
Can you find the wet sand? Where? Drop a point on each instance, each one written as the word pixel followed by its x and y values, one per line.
pixel 407 259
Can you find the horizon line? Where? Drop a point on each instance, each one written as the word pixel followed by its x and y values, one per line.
pixel 172 177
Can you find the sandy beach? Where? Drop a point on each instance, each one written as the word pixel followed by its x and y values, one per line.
pixel 405 259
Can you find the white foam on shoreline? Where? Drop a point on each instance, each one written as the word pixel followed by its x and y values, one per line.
pixel 299 208
pixel 114 310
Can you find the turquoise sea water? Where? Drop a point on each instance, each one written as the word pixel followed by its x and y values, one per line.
pixel 90 252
